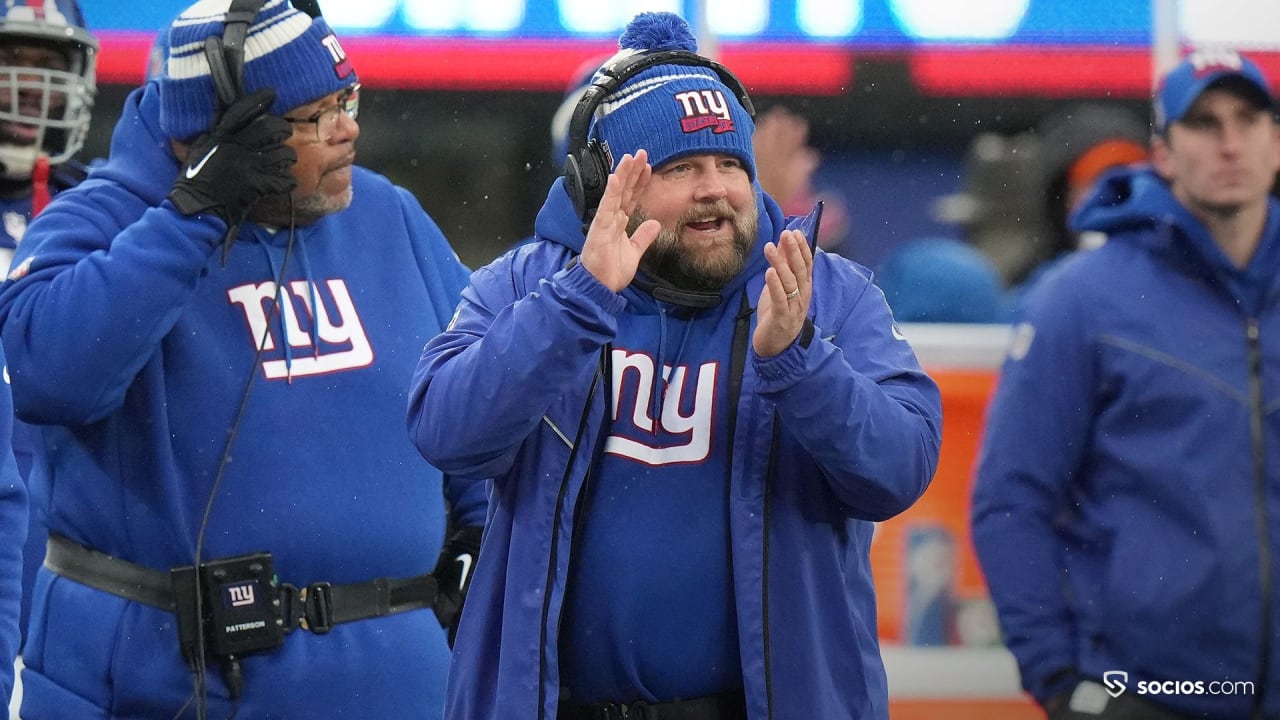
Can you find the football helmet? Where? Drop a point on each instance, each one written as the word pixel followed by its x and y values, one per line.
pixel 43 109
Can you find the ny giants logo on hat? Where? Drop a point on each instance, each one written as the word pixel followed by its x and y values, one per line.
pixel 705 109
pixel 1210 60
pixel 341 65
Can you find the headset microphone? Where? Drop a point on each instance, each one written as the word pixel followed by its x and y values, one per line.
pixel 668 293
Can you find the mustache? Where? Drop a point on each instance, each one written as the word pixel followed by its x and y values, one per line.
pixel 720 209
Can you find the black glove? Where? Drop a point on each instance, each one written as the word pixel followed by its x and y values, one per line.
pixel 242 160
pixel 453 576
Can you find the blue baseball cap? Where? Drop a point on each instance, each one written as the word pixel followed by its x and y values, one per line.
pixel 1202 70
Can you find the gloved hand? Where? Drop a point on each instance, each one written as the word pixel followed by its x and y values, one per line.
pixel 243 159
pixel 453 576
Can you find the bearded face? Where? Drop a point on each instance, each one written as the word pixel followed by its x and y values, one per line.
pixel 704 248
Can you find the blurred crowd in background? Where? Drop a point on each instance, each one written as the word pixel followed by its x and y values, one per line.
pixel 956 205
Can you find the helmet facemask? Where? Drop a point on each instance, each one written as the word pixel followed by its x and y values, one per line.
pixel 43 109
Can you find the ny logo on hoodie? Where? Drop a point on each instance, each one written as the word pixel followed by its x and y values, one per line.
pixel 345 344
pixel 676 437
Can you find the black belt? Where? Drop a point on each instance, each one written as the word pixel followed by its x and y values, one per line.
pixel 316 607
pixel 725 706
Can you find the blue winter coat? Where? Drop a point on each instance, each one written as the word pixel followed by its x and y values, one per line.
pixel 133 344
pixel 13 531
pixel 1127 503
pixel 826 439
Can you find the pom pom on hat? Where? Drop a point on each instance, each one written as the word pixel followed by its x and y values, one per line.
pixel 652 31
pixel 672 111
pixel 286 50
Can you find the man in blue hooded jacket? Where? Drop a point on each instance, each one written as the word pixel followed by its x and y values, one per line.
pixel 217 330
pixel 1126 505
pixel 691 420
pixel 13 519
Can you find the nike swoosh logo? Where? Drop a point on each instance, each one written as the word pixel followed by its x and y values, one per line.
pixel 465 560
pixel 194 170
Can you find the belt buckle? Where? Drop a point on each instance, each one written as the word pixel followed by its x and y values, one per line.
pixel 638 710
pixel 316 600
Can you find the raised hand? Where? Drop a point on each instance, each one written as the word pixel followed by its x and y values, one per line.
pixel 609 254
pixel 784 301
pixel 242 160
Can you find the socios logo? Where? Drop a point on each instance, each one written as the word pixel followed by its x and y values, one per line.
pixel 1116 682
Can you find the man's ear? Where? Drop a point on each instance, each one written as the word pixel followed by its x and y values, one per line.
pixel 1275 147
pixel 1161 158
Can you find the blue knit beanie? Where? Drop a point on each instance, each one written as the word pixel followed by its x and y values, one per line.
pixel 286 50
pixel 672 110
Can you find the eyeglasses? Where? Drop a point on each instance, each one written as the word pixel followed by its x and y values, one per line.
pixel 326 121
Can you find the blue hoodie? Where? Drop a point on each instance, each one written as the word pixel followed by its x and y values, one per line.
pixel 1127 503
pixel 16 214
pixel 822 440
pixel 134 345
pixel 13 531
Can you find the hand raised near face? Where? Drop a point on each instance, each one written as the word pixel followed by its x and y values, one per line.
pixel 784 301
pixel 609 254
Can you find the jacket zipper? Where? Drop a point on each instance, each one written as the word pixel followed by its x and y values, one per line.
pixel 1260 491
pixel 555 535
pixel 764 584
pixel 737 368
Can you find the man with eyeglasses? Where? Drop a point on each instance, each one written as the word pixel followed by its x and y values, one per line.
pixel 218 329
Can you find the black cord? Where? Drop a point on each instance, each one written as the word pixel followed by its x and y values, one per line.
pixel 200 672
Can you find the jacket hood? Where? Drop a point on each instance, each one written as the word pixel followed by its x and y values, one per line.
pixel 1135 205
pixel 558 222
pixel 141 158
pixel 1127 199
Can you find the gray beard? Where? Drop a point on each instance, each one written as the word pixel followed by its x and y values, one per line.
pixel 665 259
pixel 273 210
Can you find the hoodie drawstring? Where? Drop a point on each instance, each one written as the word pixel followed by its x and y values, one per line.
pixel 286 314
pixel 661 376
pixel 311 300
pixel 659 381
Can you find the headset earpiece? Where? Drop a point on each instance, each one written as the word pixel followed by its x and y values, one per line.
pixel 585 175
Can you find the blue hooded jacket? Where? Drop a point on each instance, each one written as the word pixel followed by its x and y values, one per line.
pixel 13 531
pixel 132 343
pixel 824 440
pixel 1126 510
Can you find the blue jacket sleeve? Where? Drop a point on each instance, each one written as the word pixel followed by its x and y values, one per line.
pixel 13 524
pixel 560 324
pixel 1037 427
pixel 856 399
pixel 98 275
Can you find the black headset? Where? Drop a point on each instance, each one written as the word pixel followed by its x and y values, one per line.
pixel 587 168
pixel 225 52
